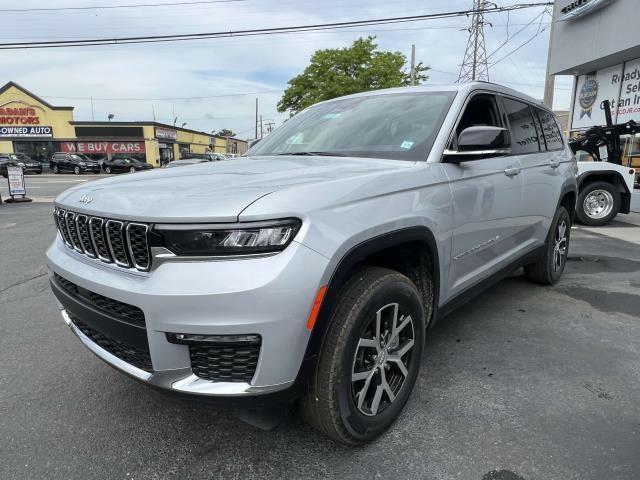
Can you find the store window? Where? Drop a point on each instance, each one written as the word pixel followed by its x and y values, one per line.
pixel 184 150
pixel 39 151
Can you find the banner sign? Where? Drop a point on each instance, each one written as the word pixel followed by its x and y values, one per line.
pixel 166 133
pixel 37 131
pixel 102 147
pixel 15 176
pixel 619 84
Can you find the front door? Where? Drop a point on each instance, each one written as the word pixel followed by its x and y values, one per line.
pixel 486 192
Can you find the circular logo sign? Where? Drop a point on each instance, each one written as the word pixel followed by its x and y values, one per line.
pixel 588 93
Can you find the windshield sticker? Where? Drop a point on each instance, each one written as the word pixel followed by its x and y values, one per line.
pixel 406 145
pixel 332 115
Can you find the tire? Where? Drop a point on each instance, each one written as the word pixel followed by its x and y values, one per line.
pixel 548 270
pixel 598 204
pixel 107 170
pixel 132 170
pixel 76 170
pixel 56 169
pixel 330 404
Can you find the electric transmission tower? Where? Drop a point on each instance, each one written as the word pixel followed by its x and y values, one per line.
pixel 475 66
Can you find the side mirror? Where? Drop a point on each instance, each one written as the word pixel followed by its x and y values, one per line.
pixel 475 143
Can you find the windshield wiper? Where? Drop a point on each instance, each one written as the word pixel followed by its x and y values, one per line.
pixel 322 154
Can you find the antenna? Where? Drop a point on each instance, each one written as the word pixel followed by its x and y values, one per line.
pixel 474 65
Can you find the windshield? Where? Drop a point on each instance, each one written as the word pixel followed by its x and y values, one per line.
pixel 79 156
pixel 399 126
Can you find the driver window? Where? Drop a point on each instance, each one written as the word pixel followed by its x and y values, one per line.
pixel 481 110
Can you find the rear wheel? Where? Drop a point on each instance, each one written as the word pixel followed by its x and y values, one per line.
pixel 107 169
pixel 598 204
pixel 370 357
pixel 549 268
pixel 132 170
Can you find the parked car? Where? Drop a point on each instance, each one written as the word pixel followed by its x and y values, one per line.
pixel 6 161
pixel 312 268
pixel 27 163
pixel 73 162
pixel 208 156
pixel 185 161
pixel 122 165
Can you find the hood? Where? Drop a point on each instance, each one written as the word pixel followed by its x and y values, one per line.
pixel 211 191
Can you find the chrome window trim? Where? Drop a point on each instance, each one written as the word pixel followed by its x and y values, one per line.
pixel 122 237
pixel 128 242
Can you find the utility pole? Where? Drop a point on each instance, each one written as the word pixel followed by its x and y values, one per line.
pixel 92 115
pixel 260 126
pixel 550 80
pixel 474 64
pixel 413 65
pixel 256 135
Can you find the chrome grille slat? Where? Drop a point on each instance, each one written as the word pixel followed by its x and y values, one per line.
pixel 115 239
pixel 70 223
pixel 111 241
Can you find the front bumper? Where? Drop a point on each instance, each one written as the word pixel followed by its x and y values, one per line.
pixel 269 296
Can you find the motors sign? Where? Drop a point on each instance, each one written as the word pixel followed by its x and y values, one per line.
pixel 32 131
pixel 102 147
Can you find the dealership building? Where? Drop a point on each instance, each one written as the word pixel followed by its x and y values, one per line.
pixel 32 126
pixel 598 43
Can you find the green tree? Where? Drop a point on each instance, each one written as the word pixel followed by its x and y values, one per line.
pixel 225 132
pixel 342 71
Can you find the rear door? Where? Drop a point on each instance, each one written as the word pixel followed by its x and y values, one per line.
pixel 487 233
pixel 542 183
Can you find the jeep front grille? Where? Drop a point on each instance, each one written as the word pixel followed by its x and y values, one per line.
pixel 122 243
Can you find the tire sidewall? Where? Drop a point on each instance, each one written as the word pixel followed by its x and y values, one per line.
pixel 360 426
pixel 560 215
pixel 597 222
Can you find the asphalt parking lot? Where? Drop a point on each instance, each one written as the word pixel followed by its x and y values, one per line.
pixel 524 382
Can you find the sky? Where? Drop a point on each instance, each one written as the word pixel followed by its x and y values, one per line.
pixel 140 82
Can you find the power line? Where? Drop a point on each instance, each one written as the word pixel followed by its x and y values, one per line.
pixel 259 31
pixel 110 7
pixel 160 99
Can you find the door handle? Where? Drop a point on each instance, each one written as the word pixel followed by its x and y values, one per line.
pixel 511 171
pixel 554 164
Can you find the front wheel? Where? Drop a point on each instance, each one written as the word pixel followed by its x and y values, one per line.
pixel 132 170
pixel 76 170
pixel 370 357
pixel 107 169
pixel 548 270
pixel 56 169
pixel 598 204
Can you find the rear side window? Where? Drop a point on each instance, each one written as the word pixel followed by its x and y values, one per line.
pixel 524 137
pixel 550 130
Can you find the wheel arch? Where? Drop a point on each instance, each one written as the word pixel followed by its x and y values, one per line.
pixel 610 176
pixel 374 252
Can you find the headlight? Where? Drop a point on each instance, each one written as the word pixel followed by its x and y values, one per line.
pixel 20 164
pixel 226 239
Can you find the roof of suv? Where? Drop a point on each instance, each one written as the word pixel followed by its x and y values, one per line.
pixel 464 88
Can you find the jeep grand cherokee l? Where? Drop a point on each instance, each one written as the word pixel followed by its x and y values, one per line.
pixel 312 268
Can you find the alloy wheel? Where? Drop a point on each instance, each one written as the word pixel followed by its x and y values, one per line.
pixel 560 246
pixel 598 204
pixel 382 359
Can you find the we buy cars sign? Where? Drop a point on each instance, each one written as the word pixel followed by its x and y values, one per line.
pixel 103 147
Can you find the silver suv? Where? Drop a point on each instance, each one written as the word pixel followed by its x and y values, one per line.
pixel 312 269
